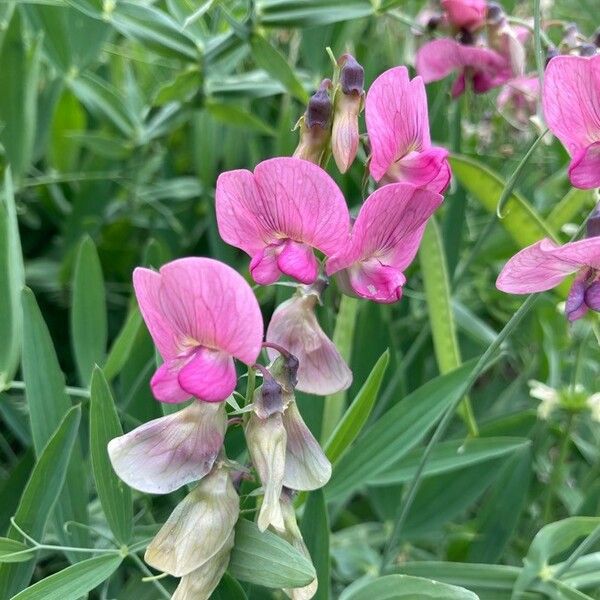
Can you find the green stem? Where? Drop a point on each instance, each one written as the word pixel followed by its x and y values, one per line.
pixel 72 391
pixel 144 569
pixel 250 385
pixel 588 543
pixel 540 58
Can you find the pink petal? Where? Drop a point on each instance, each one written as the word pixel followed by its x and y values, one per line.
pixel 576 307
pixel 584 171
pixel 294 326
pixel 209 375
pixel 298 261
pixel 389 227
pixel 571 100
pixel 583 253
pixel 396 118
pixel 165 385
pixel 376 281
pixel 147 284
pixel 592 296
pixel 345 133
pixel 469 14
pixel 437 59
pixel 167 453
pixel 213 306
pixel 459 85
pixel 263 266
pixel 534 269
pixel 428 169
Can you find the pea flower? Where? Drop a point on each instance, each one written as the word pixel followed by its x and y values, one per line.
pixel 294 326
pixel 483 67
pixel 571 101
pixel 467 14
pixel 279 214
pixel 544 265
pixel 201 314
pixel 398 127
pixel 348 104
pixel 384 241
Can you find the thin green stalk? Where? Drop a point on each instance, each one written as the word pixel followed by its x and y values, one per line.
pixel 540 58
pixel 250 385
pixel 72 391
pixel 588 543
pixel 144 569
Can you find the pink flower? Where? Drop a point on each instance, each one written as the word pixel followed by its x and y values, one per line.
pixel 201 314
pixel 544 265
pixel 398 127
pixel 278 214
pixel 519 96
pixel 571 100
pixel 468 14
pixel 484 67
pixel 294 326
pixel 384 241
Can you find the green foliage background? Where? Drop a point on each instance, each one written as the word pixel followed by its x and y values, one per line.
pixel 116 118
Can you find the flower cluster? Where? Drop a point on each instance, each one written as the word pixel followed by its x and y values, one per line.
pixel 293 221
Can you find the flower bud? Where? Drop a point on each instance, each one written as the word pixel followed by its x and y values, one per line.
pixel 495 13
pixel 266 440
pixel 593 224
pixel 268 398
pixel 587 50
pixel 593 403
pixel 348 104
pixel 200 584
pixel 294 326
pixel 584 295
pixel 285 370
pixel 551 53
pixel 198 528
pixel 315 126
pixel 306 466
pixel 596 38
pixel 167 453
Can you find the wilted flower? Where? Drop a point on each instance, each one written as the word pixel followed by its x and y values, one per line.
pixel 571 100
pixel 398 128
pixel 469 14
pixel 507 40
pixel 315 126
pixel 384 240
pixel 294 326
pixel 548 396
pixel 201 314
pixel 348 103
pixel 519 97
pixel 278 214
pixel 485 68
pixel 544 265
pixel 164 454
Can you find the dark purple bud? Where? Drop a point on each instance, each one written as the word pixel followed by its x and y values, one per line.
pixel 587 50
pixel 596 38
pixel 495 12
pixel 592 296
pixel 289 370
pixel 352 75
pixel 434 22
pixel 593 224
pixel 319 106
pixel 271 398
pixel 465 37
pixel 550 54
pixel 575 307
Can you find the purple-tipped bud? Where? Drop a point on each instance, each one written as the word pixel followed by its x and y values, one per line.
pixel 352 75
pixel 268 398
pixel 495 12
pixel 587 50
pixel 434 22
pixel 551 53
pixel 465 37
pixel 319 106
pixel 593 224
pixel 584 295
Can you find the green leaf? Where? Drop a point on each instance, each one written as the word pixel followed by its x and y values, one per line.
pixel 115 497
pixel 88 313
pixel 521 220
pixel 69 119
pixel 13 551
pixel 19 77
pixel 343 338
pixel 123 344
pixel 569 207
pixel 273 62
pixel 39 498
pixel 266 559
pixel 398 431
pixel 12 279
pixel 235 116
pixel 449 456
pixel 315 531
pixel 48 403
pixel 356 416
pixel 395 587
pixel 182 88
pixel 228 589
pixel 441 315
pixel 74 581
pixel 310 13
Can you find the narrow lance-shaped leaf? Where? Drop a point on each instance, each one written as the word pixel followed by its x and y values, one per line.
pixel 315 531
pixel 39 497
pixel 12 280
pixel 74 581
pixel 114 495
pixel 13 551
pixel 123 344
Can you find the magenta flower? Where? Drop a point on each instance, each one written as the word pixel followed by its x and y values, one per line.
pixel 485 68
pixel 278 214
pixel 201 314
pixel 467 14
pixel 384 241
pixel 544 265
pixel 398 127
pixel 571 100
